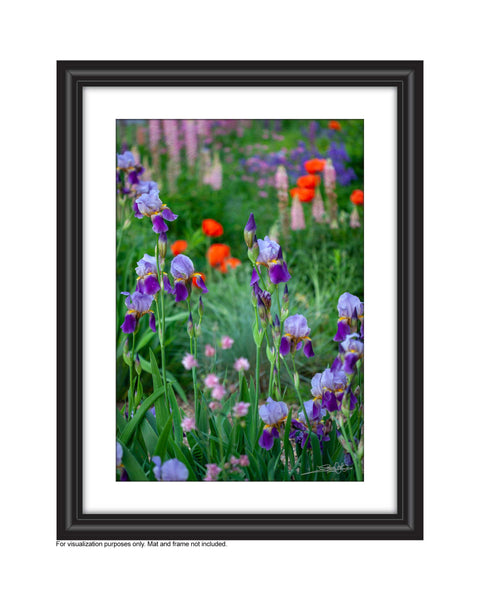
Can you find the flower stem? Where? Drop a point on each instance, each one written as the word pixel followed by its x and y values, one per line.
pixel 193 351
pixel 161 323
pixel 257 365
pixel 357 467
pixel 294 380
pixel 132 387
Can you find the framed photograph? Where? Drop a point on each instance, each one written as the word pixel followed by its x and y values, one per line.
pixel 216 260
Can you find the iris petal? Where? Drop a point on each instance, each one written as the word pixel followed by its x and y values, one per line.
pixel 159 225
pixel 168 215
pixel 128 326
pixel 278 273
pixel 151 285
pixel 343 330
pixel 284 346
pixel 308 350
pixel 151 322
pixel 181 292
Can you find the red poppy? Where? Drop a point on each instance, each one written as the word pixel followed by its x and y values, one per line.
pixel 194 280
pixel 315 165
pixel 217 254
pixel 356 197
pixel 308 181
pixel 303 194
pixel 178 247
pixel 233 263
pixel 212 228
pixel 334 125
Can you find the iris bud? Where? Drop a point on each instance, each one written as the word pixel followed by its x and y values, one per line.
pixel 249 231
pixel 285 297
pixel 126 355
pixel 162 244
pixel 138 366
pixel 254 251
pixel 190 326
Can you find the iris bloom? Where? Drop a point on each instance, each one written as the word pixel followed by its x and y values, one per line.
pixel 145 187
pixel 352 350
pixel 126 162
pixel 315 416
pixel 295 333
pixel 183 272
pixel 150 205
pixel 350 309
pixel 270 256
pixel 172 470
pixel 138 304
pixel 147 280
pixel 273 414
pixel 330 387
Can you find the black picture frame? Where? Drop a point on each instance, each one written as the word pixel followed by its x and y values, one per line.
pixel 407 78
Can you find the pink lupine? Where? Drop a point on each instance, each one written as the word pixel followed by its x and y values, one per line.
pixel 215 176
pixel 191 148
pixel 173 148
pixel 154 134
pixel 297 216
pixel 318 209
pixel 354 218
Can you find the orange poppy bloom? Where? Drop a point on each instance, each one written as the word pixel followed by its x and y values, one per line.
pixel 356 197
pixel 212 228
pixel 233 263
pixel 178 247
pixel 217 254
pixel 303 194
pixel 334 125
pixel 308 181
pixel 315 165
pixel 194 280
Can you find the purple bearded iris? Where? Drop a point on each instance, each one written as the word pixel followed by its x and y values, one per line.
pixel 330 387
pixel 145 187
pixel 183 272
pixel 350 310
pixel 273 414
pixel 147 281
pixel 270 256
pixel 138 304
pixel 295 332
pixel 150 205
pixel 315 414
pixel 352 350
pixel 172 470
pixel 126 163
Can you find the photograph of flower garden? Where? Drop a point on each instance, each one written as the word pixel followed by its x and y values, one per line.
pixel 240 321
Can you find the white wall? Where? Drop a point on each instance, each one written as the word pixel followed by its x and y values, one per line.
pixel 444 36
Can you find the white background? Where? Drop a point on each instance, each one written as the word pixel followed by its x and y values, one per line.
pixel 37 34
